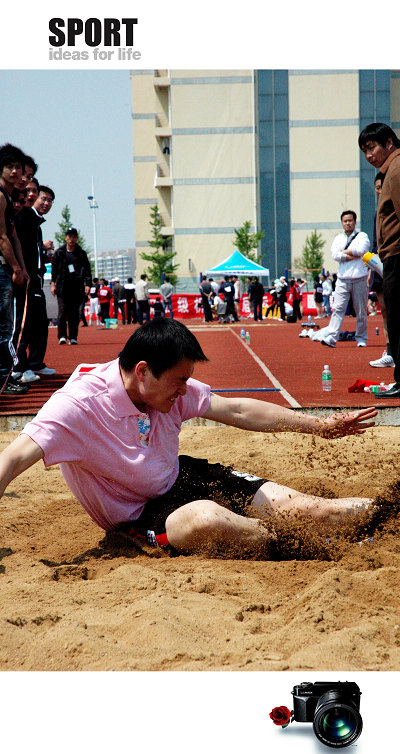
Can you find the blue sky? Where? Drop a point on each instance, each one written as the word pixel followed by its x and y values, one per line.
pixel 76 124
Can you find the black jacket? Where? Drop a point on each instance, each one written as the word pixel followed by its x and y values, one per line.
pixel 71 283
pixel 27 225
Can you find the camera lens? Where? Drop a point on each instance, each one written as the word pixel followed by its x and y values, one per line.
pixel 337 721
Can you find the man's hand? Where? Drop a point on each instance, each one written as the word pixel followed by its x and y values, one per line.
pixel 53 289
pixel 353 423
pixel 18 277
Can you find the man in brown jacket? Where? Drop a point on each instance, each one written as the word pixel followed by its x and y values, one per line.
pixel 381 149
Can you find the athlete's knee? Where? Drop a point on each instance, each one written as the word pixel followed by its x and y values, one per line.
pixel 193 523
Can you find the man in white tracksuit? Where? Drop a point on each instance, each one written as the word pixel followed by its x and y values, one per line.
pixel 348 249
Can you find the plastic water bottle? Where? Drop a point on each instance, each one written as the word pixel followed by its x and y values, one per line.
pixel 326 379
pixel 242 333
pixel 247 338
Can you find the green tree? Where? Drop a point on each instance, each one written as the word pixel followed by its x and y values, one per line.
pixel 66 223
pixel 312 257
pixel 246 242
pixel 161 256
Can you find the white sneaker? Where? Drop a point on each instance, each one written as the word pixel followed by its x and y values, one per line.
pixel 330 343
pixel 384 361
pixel 361 344
pixel 46 371
pixel 303 334
pixel 29 376
pixel 62 341
pixel 16 375
pixel 73 342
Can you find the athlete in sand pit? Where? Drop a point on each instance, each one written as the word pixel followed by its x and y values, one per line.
pixel 114 430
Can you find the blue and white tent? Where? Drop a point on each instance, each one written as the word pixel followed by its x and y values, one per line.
pixel 238 264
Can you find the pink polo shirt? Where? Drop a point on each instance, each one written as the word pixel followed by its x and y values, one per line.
pixel 94 431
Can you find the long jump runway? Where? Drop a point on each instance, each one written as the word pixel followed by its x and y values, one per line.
pixel 276 366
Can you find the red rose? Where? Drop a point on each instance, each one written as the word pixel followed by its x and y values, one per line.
pixel 280 715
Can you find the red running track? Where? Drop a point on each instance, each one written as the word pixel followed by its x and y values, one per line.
pixel 276 353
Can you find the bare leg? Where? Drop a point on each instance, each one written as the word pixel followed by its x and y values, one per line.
pixel 274 498
pixel 205 526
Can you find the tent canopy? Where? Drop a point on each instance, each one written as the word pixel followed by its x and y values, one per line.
pixel 238 264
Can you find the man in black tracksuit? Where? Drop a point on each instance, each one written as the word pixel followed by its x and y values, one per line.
pixel 71 279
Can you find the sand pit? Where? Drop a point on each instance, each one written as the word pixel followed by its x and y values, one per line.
pixel 73 601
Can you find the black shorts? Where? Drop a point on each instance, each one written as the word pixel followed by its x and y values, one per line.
pixel 197 480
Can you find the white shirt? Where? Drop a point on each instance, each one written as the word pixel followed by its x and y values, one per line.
pixel 350 270
pixel 326 287
pixel 142 290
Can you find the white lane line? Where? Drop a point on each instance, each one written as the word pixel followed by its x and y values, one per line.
pixel 292 402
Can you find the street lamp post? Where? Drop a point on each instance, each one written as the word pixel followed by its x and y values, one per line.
pixel 93 206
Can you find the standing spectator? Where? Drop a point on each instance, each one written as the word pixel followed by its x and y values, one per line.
pixel 282 294
pixel 376 289
pixel 206 292
pixel 214 285
pixel 32 192
pixel 166 290
pixel 34 335
pixel 381 149
pixel 296 299
pixel 12 266
pixel 256 294
pixel 273 307
pixel 18 197
pixel 131 315
pixel 326 294
pixel 301 283
pixel 119 294
pixel 228 290
pixel 105 296
pixel 71 279
pixel 238 293
pixel 94 301
pixel 143 299
pixel 318 296
pixel 348 249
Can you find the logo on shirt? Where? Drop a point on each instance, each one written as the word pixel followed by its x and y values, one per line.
pixel 143 421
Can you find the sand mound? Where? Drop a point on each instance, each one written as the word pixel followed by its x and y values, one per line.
pixel 73 599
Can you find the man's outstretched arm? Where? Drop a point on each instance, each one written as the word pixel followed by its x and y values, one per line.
pixel 259 416
pixel 22 453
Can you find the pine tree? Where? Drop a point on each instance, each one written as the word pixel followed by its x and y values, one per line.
pixel 161 256
pixel 66 223
pixel 247 242
pixel 312 257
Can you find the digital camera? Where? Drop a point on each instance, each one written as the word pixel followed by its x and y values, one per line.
pixel 332 707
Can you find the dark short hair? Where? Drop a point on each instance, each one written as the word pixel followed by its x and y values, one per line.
pixel 348 212
pixel 379 132
pixel 30 162
pixel 378 177
pixel 9 154
pixel 47 190
pixel 35 181
pixel 161 343
pixel 143 277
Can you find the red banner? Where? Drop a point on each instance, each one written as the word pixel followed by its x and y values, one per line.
pixel 188 305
